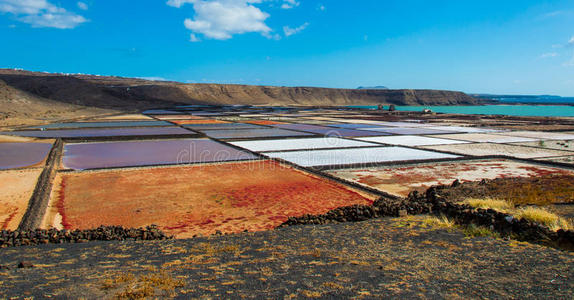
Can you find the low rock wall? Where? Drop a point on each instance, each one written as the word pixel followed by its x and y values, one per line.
pixel 10 238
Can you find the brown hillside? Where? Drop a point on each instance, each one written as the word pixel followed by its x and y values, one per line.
pixel 18 107
pixel 37 95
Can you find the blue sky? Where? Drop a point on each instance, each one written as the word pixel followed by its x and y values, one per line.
pixel 482 46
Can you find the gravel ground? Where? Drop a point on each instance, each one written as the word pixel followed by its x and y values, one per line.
pixel 389 257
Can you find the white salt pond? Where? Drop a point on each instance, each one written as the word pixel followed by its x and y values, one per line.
pixel 487 138
pixel 300 144
pixel 315 158
pixel 411 140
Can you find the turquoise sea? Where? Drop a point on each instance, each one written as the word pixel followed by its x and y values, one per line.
pixel 510 110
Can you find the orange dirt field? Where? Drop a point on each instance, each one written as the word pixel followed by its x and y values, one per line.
pixel 17 188
pixel 201 199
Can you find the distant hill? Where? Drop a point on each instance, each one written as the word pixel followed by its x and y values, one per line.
pixel 107 93
pixel 378 87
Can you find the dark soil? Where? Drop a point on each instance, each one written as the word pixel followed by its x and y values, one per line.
pixel 387 257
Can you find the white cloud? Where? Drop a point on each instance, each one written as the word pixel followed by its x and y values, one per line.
pixel 194 38
pixel 288 4
pixel 41 13
pixel 179 3
pixel 549 54
pixel 221 19
pixel 82 6
pixel 571 41
pixel 321 7
pixel 291 31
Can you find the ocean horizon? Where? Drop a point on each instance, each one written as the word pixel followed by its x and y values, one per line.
pixel 498 109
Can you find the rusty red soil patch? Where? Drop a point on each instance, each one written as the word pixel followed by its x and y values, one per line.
pixel 264 122
pixel 201 199
pixel 208 121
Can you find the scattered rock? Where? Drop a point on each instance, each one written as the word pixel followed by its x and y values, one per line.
pixel 25 264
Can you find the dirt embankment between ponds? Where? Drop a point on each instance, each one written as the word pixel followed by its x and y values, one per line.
pixel 41 196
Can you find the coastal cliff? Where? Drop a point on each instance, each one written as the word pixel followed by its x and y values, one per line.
pixel 62 92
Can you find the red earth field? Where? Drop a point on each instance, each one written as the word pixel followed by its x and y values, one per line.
pixel 200 199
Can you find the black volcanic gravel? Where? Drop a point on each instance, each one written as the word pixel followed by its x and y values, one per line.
pixel 387 257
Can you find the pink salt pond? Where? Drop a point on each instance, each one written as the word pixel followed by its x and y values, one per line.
pixel 146 153
pixel 101 132
pixel 19 155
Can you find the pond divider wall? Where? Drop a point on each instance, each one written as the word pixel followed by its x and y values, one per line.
pixel 38 203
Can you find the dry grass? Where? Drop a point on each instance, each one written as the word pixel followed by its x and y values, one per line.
pixel 544 217
pixel 117 280
pixel 311 294
pixel 332 285
pixel 531 213
pixel 439 222
pixel 471 230
pixel 496 204
pixel 157 283
pixel 479 231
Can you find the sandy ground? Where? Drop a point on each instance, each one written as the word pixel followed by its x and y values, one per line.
pixel 400 181
pixel 540 135
pixel 486 138
pixel 565 145
pixel 126 117
pixel 17 188
pixel 562 159
pixel 186 201
pixel 483 149
pixel 21 139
